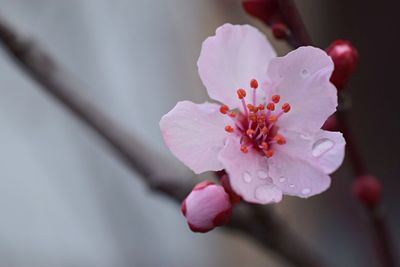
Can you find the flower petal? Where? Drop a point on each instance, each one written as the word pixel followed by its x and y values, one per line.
pixel 248 174
pixel 231 58
pixel 301 78
pixel 323 149
pixel 297 177
pixel 195 134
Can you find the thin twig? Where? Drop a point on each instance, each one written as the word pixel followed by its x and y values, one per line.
pixel 264 227
pixel 381 234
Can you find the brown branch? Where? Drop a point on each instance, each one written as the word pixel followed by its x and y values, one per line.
pixel 260 224
pixel 380 234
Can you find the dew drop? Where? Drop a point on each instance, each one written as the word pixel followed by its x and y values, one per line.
pixel 247 177
pixel 306 191
pixel 321 146
pixel 304 72
pixel 282 179
pixel 262 174
pixel 291 185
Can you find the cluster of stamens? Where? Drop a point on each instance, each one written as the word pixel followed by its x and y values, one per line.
pixel 256 125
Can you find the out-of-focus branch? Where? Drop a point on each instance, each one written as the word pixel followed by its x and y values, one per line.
pixel 299 35
pixel 258 223
pixel 381 234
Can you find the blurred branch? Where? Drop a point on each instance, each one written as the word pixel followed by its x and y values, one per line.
pixel 259 223
pixel 300 37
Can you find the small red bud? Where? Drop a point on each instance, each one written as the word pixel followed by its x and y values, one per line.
pixel 331 124
pixel 345 58
pixel 280 30
pixel 206 207
pixel 368 189
pixel 266 10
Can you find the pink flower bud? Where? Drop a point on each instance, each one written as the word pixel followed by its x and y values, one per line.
pixel 280 30
pixel 265 10
pixel 368 189
pixel 206 207
pixel 331 124
pixel 345 58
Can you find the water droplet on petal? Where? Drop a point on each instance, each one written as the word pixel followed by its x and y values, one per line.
pixel 292 185
pixel 282 179
pixel 247 177
pixel 306 191
pixel 304 73
pixel 262 174
pixel 321 146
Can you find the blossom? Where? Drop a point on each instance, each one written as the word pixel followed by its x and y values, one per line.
pixel 206 207
pixel 266 133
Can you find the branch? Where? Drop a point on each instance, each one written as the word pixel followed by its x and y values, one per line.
pixel 381 236
pixel 260 224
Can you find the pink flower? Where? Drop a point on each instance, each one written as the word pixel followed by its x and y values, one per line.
pixel 267 133
pixel 207 207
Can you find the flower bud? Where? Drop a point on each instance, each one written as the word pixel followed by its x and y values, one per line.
pixel 331 124
pixel 368 189
pixel 206 207
pixel 345 58
pixel 280 30
pixel 265 10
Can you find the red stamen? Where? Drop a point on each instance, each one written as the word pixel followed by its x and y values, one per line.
pixel 286 107
pixel 272 118
pixel 280 139
pixel 271 106
pixel 232 114
pixel 264 130
pixel 264 146
pixel 244 149
pixel 269 153
pixel 224 109
pixel 254 84
pixel 229 129
pixel 276 98
pixel 261 107
pixel 253 117
pixel 251 107
pixel 250 132
pixel 241 93
pixel 261 119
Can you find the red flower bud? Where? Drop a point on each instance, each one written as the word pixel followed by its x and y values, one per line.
pixel 331 124
pixel 280 30
pixel 368 189
pixel 345 58
pixel 265 10
pixel 206 207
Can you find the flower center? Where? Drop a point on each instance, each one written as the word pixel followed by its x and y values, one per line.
pixel 256 125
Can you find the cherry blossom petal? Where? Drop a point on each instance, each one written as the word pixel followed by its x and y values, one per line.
pixel 248 174
pixel 195 134
pixel 297 177
pixel 301 78
pixel 323 149
pixel 231 58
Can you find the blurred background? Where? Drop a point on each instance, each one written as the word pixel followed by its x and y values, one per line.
pixel 65 200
